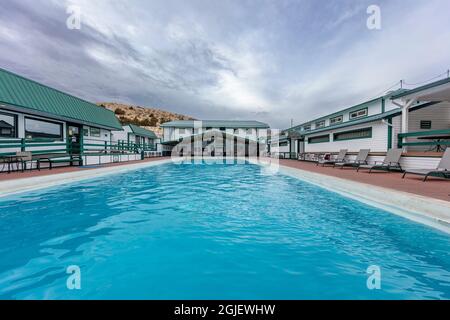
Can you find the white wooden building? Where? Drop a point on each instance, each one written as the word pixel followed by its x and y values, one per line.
pixel 249 133
pixel 416 120
pixel 144 139
pixel 47 122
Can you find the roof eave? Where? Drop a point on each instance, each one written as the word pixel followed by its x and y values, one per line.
pixel 31 111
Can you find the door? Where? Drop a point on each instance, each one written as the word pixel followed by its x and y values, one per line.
pixel 74 138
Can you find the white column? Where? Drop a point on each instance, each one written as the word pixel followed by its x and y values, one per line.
pixel 405 119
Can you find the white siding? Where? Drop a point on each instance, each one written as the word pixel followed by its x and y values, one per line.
pixel 396 130
pixel 105 137
pixel 378 142
pixel 172 134
pixel 438 114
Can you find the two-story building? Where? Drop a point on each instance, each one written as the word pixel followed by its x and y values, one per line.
pixel 219 137
pixel 381 124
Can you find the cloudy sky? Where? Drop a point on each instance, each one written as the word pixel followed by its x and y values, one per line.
pixel 268 60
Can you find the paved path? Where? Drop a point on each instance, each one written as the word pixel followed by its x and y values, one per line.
pixel 435 188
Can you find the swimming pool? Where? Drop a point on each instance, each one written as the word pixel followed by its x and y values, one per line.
pixel 212 232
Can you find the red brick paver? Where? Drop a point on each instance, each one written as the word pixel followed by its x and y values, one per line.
pixel 434 187
pixel 45 172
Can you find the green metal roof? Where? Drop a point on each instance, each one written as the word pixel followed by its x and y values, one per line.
pixel 216 124
pixel 17 91
pixel 421 88
pixel 139 131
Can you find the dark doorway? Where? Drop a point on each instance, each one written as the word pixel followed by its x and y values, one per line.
pixel 74 138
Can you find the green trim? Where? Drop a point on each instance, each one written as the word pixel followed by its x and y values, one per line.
pixel 390 129
pixel 383 105
pixel 319 124
pixel 427 143
pixel 359 117
pixel 353 131
pixel 318 137
pixel 343 111
pixel 391 113
pixel 423 133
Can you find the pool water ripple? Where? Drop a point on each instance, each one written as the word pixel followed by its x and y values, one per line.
pixel 212 232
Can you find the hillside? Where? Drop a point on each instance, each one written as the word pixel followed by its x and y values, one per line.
pixel 149 118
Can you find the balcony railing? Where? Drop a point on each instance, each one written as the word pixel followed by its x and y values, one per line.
pixel 47 146
pixel 437 139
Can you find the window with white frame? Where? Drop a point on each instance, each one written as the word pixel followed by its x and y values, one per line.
pixel 320 124
pixel 336 120
pixel 359 114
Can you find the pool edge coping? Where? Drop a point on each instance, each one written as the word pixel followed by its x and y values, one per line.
pixel 429 211
pixel 12 187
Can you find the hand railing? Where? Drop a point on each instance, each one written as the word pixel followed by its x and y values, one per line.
pixel 44 146
pixel 437 138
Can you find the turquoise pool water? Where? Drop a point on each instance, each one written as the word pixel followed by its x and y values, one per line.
pixel 212 232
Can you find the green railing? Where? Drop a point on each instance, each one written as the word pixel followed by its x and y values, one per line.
pixel 46 146
pixel 437 138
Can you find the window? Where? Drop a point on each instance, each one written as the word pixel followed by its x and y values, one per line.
pixel 354 134
pixel 425 124
pixel 320 124
pixel 95 132
pixel 336 120
pixel 319 139
pixel 36 129
pixel 307 128
pixel 284 144
pixel 8 125
pixel 358 114
pixel 86 132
